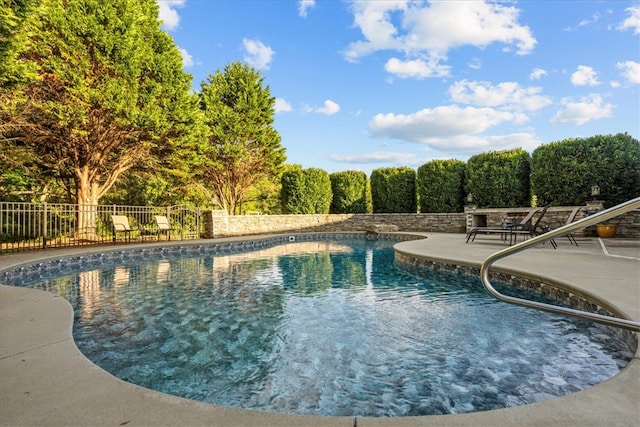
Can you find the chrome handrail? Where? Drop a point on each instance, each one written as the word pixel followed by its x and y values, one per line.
pixel 559 232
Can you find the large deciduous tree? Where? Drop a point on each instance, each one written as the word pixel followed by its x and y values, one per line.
pixel 243 145
pixel 16 179
pixel 109 92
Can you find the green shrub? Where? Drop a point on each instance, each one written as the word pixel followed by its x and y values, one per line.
pixel 317 193
pixel 305 191
pixel 499 178
pixel 292 191
pixel 349 190
pixel 563 172
pixel 393 190
pixel 440 186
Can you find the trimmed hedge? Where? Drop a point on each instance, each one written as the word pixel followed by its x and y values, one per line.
pixel 563 172
pixel 559 173
pixel 317 190
pixel 292 191
pixel 499 178
pixel 349 190
pixel 393 190
pixel 440 186
pixel 305 191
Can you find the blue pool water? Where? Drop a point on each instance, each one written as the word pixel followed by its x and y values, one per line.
pixel 325 328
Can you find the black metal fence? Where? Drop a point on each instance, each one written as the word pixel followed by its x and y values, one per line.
pixel 36 226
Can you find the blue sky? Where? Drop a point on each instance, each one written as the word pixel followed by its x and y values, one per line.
pixel 366 84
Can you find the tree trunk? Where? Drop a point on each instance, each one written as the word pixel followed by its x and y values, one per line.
pixel 87 199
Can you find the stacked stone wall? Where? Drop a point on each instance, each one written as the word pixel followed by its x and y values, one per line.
pixel 220 225
pixel 628 224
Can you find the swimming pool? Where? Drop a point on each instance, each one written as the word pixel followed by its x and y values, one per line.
pixel 384 331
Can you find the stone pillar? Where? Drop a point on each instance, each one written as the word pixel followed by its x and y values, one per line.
pixel 468 214
pixel 216 223
pixel 594 206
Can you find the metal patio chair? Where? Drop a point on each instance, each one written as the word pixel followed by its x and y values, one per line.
pixel 504 230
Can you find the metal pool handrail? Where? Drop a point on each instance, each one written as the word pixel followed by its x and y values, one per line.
pixel 558 232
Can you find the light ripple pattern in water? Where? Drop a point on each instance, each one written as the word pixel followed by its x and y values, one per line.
pixel 327 329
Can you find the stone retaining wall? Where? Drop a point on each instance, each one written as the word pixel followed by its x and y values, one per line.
pixel 494 217
pixel 218 224
pixel 628 224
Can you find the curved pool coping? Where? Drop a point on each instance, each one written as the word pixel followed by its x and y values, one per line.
pixel 45 380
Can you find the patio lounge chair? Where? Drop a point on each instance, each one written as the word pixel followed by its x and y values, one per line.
pixel 163 226
pixel 504 230
pixel 531 230
pixel 570 219
pixel 121 225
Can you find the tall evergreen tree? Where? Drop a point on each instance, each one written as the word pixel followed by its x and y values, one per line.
pixel 244 146
pixel 109 93
pixel 14 16
pixel 16 178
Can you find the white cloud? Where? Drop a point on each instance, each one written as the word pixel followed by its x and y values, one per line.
pixel 430 30
pixel 630 71
pixel 415 68
pixel 445 25
pixel 537 74
pixel 373 19
pixel 595 18
pixel 475 64
pixel 582 111
pixel 474 143
pixel 257 54
pixel 282 106
pixel 304 6
pixel 187 59
pixel 168 14
pixel 441 123
pixel 330 108
pixel 384 157
pixel 586 22
pixel 632 21
pixel 584 76
pixel 506 94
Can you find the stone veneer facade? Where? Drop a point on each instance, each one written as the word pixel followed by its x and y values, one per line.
pixel 628 224
pixel 219 224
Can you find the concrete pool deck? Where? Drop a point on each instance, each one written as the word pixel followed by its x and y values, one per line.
pixel 45 380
